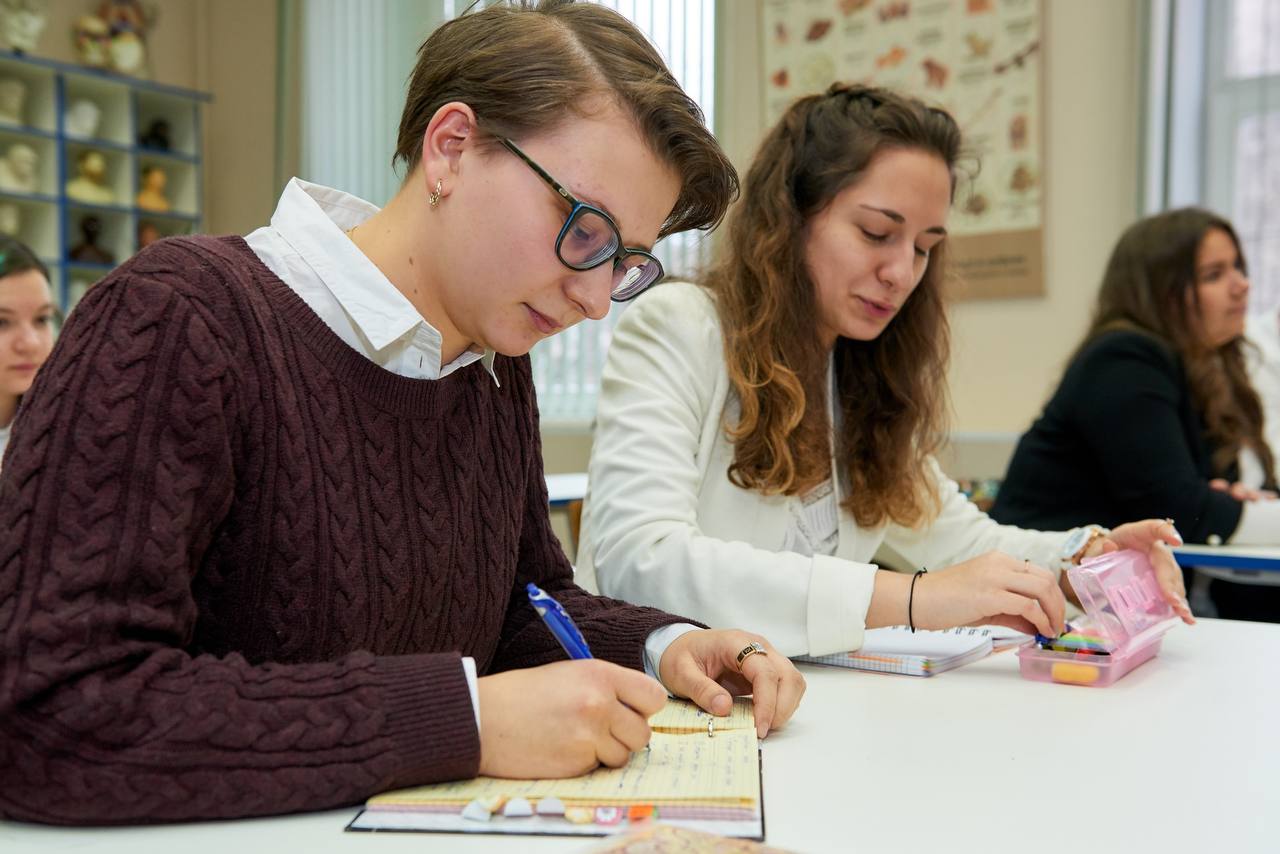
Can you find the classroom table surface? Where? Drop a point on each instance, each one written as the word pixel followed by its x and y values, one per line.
pixel 1183 754
pixel 1263 558
pixel 564 488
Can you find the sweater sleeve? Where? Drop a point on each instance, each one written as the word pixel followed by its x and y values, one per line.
pixel 120 472
pixel 614 630
pixel 1128 415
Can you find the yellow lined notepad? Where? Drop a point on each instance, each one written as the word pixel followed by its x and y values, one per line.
pixel 683 765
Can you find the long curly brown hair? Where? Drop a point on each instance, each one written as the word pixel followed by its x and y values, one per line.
pixel 1150 287
pixel 892 390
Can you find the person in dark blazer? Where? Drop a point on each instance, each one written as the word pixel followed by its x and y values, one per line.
pixel 1155 415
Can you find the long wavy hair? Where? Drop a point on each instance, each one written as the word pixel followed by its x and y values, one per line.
pixel 1150 287
pixel 891 391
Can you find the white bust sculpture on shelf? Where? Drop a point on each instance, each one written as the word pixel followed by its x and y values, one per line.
pixel 81 118
pixel 13 94
pixel 90 185
pixel 22 22
pixel 19 169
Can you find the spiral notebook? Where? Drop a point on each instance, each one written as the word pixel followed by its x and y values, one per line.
pixel 699 771
pixel 922 653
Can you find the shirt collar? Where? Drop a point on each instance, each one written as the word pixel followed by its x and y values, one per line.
pixel 313 220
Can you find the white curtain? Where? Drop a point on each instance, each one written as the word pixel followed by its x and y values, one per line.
pixel 1212 131
pixel 566 367
pixel 355 58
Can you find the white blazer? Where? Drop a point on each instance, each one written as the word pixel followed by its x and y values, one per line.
pixel 662 524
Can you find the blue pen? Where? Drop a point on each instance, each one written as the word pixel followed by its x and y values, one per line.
pixel 558 622
pixel 1041 640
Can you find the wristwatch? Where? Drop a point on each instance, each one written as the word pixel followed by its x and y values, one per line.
pixel 1078 542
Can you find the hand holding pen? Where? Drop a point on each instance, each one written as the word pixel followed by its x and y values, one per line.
pixel 565 718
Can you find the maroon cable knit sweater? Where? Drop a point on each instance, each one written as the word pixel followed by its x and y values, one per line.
pixel 239 562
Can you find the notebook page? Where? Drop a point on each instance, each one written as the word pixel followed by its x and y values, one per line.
pixel 686 769
pixel 899 640
pixel 686 716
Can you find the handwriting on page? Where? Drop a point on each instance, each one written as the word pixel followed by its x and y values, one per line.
pixel 684 716
pixel 685 769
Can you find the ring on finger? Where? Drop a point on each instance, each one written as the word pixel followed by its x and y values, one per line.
pixel 749 650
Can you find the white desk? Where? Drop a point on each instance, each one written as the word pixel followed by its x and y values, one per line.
pixel 1230 557
pixel 974 760
pixel 564 488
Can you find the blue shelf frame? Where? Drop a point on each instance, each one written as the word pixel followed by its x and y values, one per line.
pixel 134 83
pixel 63 268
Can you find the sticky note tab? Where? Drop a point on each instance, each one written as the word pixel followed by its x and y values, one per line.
pixel 550 805
pixel 518 808
pixel 641 812
pixel 608 815
pixel 580 815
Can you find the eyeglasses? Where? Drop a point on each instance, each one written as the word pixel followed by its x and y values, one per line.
pixel 589 238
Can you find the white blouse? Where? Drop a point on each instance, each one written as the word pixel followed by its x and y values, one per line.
pixel 663 525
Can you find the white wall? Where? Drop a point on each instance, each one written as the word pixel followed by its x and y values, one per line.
pixel 1008 354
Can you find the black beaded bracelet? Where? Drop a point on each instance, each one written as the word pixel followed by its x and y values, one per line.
pixel 911 597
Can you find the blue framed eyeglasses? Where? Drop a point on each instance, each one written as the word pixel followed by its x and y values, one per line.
pixel 589 239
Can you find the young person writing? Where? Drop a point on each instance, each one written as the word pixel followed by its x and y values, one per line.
pixel 269 515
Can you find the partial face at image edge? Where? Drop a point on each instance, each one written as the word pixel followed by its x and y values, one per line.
pixel 26 330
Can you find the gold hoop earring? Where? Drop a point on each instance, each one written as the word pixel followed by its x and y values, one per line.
pixel 434 198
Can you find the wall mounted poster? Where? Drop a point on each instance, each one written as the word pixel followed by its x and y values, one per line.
pixel 978 59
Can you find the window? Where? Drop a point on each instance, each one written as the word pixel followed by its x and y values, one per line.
pixel 1243 141
pixel 353 62
pixel 566 367
pixel 1213 122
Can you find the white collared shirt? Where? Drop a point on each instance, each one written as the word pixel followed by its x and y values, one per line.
pixel 306 246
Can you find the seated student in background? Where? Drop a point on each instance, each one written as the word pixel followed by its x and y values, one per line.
pixel 761 439
pixel 1155 415
pixel 273 505
pixel 27 316
pixel 1262 331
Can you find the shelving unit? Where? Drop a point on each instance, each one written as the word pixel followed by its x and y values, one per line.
pixel 49 219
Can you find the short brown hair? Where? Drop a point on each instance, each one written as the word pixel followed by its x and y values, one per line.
pixel 522 66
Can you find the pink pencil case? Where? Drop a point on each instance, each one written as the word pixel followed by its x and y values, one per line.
pixel 1125 616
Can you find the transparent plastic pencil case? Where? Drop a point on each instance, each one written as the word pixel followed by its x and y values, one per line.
pixel 1126 618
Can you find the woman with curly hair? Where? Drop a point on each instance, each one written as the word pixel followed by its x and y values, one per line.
pixel 766 439
pixel 1155 415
